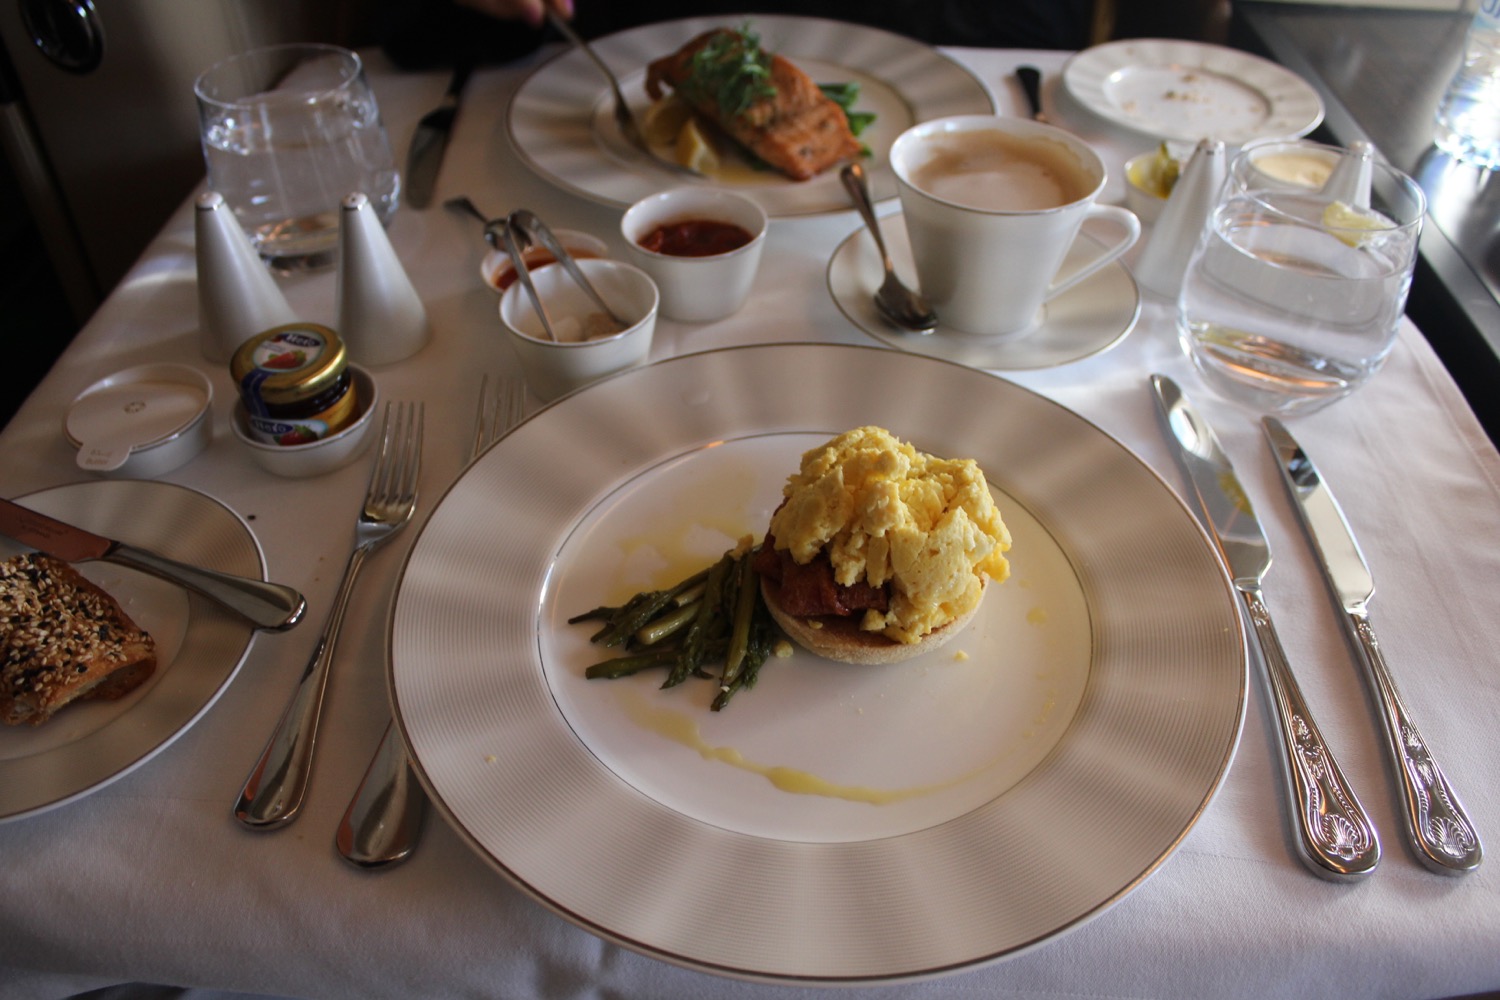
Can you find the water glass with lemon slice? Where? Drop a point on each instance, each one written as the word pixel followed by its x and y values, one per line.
pixel 1295 290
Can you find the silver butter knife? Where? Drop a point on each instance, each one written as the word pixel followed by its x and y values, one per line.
pixel 271 606
pixel 1438 828
pixel 1334 835
pixel 428 142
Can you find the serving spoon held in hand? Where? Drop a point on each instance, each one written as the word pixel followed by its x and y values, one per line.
pixel 900 305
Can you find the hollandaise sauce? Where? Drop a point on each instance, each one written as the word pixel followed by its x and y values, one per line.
pixel 679 727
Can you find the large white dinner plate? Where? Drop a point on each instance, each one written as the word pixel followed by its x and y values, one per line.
pixel 560 123
pixel 833 824
pixel 1174 89
pixel 199 645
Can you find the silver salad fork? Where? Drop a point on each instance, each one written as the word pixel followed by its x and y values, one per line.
pixel 274 791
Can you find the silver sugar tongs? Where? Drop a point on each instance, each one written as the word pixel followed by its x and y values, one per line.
pixel 534 231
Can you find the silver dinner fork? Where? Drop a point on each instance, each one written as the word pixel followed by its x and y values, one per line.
pixel 274 791
pixel 623 117
pixel 384 820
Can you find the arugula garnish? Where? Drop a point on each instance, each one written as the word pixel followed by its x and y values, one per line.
pixel 732 70
pixel 844 95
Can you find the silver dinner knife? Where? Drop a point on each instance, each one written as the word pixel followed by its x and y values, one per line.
pixel 1439 829
pixel 428 142
pixel 1334 835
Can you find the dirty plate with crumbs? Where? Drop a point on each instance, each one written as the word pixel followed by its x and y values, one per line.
pixel 1187 91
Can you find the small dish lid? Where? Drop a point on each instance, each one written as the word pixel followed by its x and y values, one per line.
pixel 139 408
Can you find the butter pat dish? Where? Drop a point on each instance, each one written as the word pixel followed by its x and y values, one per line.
pixel 141 422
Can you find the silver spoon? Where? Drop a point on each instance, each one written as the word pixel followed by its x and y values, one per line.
pixel 516 241
pixel 897 303
pixel 494 229
pixel 536 232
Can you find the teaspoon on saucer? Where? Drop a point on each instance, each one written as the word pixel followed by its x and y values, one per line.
pixel 900 305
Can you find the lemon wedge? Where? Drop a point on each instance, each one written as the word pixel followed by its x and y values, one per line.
pixel 693 149
pixel 1156 175
pixel 1167 170
pixel 663 120
pixel 1351 224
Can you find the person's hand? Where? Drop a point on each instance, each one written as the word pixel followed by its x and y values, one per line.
pixel 530 11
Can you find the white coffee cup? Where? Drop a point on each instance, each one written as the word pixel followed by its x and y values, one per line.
pixel 991 206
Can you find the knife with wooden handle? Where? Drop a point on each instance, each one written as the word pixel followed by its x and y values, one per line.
pixel 266 605
pixel 1438 828
pixel 1334 835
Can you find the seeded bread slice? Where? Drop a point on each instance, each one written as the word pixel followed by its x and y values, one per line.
pixel 62 639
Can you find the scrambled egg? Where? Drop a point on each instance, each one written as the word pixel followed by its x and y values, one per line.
pixel 884 511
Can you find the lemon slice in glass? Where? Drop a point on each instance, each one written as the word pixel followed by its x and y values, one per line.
pixel 1353 225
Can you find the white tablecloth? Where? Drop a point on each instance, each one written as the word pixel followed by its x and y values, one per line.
pixel 150 880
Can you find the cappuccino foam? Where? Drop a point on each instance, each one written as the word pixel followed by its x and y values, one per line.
pixel 999 172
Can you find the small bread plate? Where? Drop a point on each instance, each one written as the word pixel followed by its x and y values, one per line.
pixel 199 646
pixel 1173 89
pixel 1087 319
pixel 835 823
pixel 561 124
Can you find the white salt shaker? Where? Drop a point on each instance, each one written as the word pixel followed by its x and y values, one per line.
pixel 1164 261
pixel 380 318
pixel 237 294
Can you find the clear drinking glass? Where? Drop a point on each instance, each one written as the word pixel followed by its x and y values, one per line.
pixel 288 131
pixel 1293 295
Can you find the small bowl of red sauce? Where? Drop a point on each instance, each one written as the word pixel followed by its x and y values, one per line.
pixel 701 245
pixel 500 274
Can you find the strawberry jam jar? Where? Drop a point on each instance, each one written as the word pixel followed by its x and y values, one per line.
pixel 295 383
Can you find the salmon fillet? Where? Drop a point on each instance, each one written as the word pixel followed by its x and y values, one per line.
pixel 800 131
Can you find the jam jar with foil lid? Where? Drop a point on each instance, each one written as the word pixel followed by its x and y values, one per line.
pixel 295 383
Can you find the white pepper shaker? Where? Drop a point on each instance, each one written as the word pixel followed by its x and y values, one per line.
pixel 1164 261
pixel 380 318
pixel 237 294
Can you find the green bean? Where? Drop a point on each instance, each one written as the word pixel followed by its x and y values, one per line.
pixel 746 591
pixel 669 624
pixel 634 663
pixel 612 616
pixel 603 613
pixel 641 610
pixel 625 666
pixel 693 593
pixel 761 643
pixel 715 615
pixel 691 655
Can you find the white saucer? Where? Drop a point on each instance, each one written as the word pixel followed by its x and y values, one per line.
pixel 1089 318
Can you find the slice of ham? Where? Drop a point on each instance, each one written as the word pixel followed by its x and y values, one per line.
pixel 810 590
